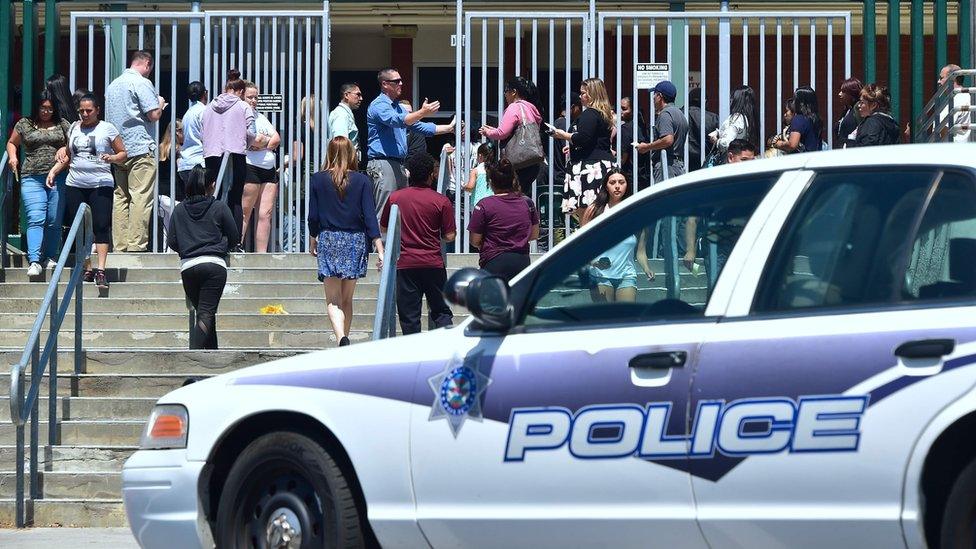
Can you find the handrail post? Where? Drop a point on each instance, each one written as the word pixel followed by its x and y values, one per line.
pixel 384 324
pixel 36 374
pixel 20 518
pixel 52 397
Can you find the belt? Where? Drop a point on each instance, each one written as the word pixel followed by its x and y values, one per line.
pixel 393 158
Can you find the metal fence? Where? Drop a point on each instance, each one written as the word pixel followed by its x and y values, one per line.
pixel 284 53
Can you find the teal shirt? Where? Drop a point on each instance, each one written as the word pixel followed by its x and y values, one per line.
pixel 481 187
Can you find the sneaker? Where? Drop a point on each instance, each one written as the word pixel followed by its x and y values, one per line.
pixel 89 276
pixel 50 264
pixel 344 341
pixel 34 269
pixel 101 280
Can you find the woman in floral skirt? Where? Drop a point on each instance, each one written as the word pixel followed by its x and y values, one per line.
pixel 343 229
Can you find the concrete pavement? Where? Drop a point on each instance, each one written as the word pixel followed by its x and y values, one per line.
pixel 45 538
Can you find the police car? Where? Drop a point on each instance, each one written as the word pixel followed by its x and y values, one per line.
pixel 810 381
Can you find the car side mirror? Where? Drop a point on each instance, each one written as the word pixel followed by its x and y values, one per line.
pixel 484 295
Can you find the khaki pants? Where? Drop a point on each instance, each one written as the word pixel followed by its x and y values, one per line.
pixel 132 208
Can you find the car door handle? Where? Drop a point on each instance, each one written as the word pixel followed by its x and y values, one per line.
pixel 660 361
pixel 926 348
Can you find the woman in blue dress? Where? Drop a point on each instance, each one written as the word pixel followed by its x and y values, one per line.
pixel 343 229
pixel 614 273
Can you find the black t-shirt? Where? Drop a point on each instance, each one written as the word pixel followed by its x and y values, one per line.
pixel 591 139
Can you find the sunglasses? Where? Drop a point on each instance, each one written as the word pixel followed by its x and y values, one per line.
pixel 396 81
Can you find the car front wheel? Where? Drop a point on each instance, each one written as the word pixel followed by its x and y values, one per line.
pixel 959 520
pixel 286 492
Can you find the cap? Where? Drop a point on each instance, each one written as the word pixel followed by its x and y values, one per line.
pixel 667 89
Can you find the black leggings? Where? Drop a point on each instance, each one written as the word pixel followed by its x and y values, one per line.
pixel 237 165
pixel 507 265
pixel 204 284
pixel 526 176
pixel 99 199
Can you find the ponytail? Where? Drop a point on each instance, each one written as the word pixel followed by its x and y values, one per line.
pixel 502 177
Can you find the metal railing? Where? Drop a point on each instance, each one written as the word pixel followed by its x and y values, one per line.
pixel 6 189
pixel 940 120
pixel 384 323
pixel 25 407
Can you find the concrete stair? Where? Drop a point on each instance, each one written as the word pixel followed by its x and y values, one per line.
pixel 135 341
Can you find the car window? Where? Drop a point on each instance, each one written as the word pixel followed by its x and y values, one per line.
pixel 658 260
pixel 845 243
pixel 943 259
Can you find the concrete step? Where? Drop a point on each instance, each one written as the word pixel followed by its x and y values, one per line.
pixel 91 408
pixel 91 433
pixel 155 361
pixel 154 305
pixel 112 385
pixel 235 275
pixel 300 260
pixel 179 321
pixel 270 290
pixel 68 484
pixel 92 513
pixel 75 458
pixel 312 338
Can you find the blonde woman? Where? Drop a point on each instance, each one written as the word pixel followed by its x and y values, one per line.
pixel 261 181
pixel 589 147
pixel 342 224
pixel 169 153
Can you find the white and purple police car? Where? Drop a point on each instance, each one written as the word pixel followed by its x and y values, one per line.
pixel 800 372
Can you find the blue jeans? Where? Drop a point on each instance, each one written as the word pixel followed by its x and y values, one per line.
pixel 44 208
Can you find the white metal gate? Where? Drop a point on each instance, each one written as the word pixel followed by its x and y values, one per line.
pixel 557 50
pixel 673 38
pixel 284 52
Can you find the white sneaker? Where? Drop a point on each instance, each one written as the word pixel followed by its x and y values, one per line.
pixel 35 269
pixel 50 264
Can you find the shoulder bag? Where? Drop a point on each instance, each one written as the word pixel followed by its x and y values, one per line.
pixel 524 148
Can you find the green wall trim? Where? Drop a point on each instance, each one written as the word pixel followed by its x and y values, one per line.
pixel 894 57
pixel 869 31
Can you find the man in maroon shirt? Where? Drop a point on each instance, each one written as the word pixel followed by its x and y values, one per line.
pixel 426 220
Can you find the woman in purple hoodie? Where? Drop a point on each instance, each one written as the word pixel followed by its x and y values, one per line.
pixel 228 126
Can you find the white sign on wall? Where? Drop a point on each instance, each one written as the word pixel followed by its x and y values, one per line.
pixel 647 75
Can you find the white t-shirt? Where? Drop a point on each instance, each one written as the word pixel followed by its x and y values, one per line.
pixel 263 158
pixel 87 145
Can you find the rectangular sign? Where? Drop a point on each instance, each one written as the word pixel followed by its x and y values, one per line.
pixel 647 75
pixel 271 103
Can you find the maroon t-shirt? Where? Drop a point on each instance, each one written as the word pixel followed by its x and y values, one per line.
pixel 425 216
pixel 505 221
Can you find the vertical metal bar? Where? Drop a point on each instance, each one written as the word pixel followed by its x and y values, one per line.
pixel 701 97
pixel 634 109
pixel 567 227
pixel 617 88
pixel 779 73
pixel 501 69
pixel 240 45
pixel 279 125
pixel 154 240
pixel 653 114
pixel 745 52
pixel 918 61
pixel 830 77
pixel 894 57
pixel 847 45
pixel 550 240
pixel 762 86
pixel 72 55
pixel 813 57
pixel 142 33
pixel 91 54
pixel 174 37
pixel 796 53
pixel 224 67
pixel 258 53
pixel 36 373
pixel 21 518
pixel 869 31
pixel 321 108
pixel 724 65
pixel 310 116
pixel 602 40
pixel 248 30
pixel 293 135
pixel 79 305
pixel 941 29
pixel 518 47
pixel 589 49
pixel 52 378
pixel 484 70
pixel 463 140
pixel 52 34
pixel 684 55
pixel 535 50
pixel 964 32
pixel 107 69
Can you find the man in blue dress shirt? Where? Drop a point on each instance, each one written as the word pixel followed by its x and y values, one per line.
pixel 387 122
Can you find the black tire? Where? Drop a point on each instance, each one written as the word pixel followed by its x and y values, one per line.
pixel 959 519
pixel 287 471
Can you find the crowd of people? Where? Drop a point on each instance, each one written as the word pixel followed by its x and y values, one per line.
pixel 70 156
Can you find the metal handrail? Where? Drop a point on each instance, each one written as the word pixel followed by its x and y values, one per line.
pixel 930 123
pixel 218 185
pixel 443 173
pixel 6 189
pixel 384 323
pixel 24 407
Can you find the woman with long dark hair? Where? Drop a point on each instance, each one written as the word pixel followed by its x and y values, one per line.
pixel 848 96
pixel 40 137
pixel 742 123
pixel 202 231
pixel 503 225
pixel 57 86
pixel 342 224
pixel 614 272
pixel 522 98
pixel 806 127
pixel 877 126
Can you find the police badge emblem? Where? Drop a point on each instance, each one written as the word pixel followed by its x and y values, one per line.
pixel 457 391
